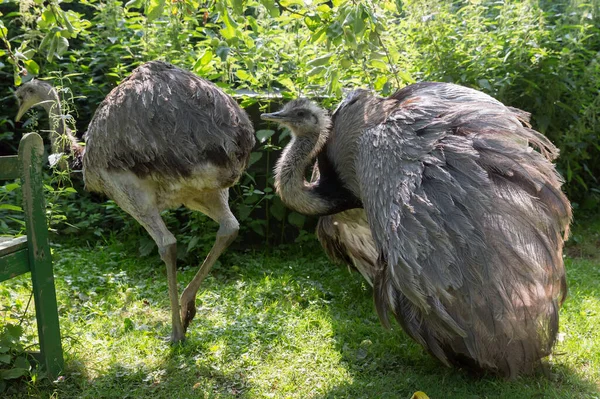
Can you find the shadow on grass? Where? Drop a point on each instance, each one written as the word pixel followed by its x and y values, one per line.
pixel 244 310
pixel 175 373
pixel 388 364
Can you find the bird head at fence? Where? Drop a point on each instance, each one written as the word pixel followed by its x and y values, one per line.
pixel 35 92
pixel 62 140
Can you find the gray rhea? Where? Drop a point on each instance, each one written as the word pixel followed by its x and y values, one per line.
pixel 448 203
pixel 162 138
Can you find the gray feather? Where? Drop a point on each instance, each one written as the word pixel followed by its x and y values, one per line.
pixel 157 105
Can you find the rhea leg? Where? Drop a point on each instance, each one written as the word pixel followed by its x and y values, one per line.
pixel 137 197
pixel 215 205
pixel 167 248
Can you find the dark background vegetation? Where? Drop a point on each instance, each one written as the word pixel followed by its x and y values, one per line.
pixel 541 56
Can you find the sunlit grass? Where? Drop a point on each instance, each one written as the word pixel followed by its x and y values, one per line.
pixel 282 325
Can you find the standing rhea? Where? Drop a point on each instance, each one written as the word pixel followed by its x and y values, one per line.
pixel 438 198
pixel 162 138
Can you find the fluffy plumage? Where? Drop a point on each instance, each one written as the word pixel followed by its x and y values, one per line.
pixel 467 222
pixel 137 125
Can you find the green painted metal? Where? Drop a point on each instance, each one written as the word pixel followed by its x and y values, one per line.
pixel 37 253
pixel 9 167
pixel 14 264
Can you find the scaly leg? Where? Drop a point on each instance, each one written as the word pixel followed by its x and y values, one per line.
pixel 215 205
pixel 136 197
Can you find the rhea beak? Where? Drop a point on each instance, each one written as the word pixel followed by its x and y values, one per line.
pixel 22 110
pixel 24 106
pixel 275 116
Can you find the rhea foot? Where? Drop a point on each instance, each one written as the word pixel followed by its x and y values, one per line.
pixel 188 311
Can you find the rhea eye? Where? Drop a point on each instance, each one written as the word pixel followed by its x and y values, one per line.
pixel 301 114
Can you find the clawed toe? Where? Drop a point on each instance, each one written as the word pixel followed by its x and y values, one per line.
pixel 188 311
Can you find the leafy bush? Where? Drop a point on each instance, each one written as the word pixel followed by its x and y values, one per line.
pixel 541 56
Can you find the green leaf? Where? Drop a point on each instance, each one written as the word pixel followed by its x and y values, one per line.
pixel 5 358
pixel 287 83
pixel 271 7
pixel 277 209
pixel 10 207
pixel 67 22
pixel 154 9
pixel 128 324
pixel 263 134
pixel 13 373
pixel 380 82
pixel 48 17
pixel 258 227
pixel 238 6
pixel 134 4
pixel 62 44
pixel 146 246
pixel 22 363
pixel 243 75
pixel 14 330
pixel 255 157
pixel 223 52
pixel 320 70
pixel 334 86
pixel 483 83
pixel 405 76
pixel 229 32
pixel 313 22
pixel 296 219
pixel 193 242
pixel 323 60
pixel 32 67
pixel 378 64
pixel 204 60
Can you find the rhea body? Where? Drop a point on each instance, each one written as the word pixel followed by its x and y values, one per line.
pixel 163 138
pixel 447 202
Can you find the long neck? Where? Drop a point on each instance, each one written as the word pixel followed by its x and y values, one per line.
pixel 290 181
pixel 61 137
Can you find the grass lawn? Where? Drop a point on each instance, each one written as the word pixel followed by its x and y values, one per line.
pixel 287 324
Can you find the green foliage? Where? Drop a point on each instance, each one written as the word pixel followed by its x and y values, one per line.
pixel 537 55
pixel 13 359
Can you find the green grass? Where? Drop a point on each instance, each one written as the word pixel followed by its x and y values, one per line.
pixel 282 325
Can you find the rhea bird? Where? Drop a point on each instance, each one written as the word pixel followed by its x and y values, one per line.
pixel 447 202
pixel 162 138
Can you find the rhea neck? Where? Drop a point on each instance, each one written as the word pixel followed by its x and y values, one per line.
pixel 322 197
pixel 61 137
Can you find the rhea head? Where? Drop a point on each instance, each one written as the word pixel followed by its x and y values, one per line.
pixel 302 117
pixel 32 93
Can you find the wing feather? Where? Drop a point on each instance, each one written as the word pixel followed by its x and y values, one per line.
pixel 467 219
